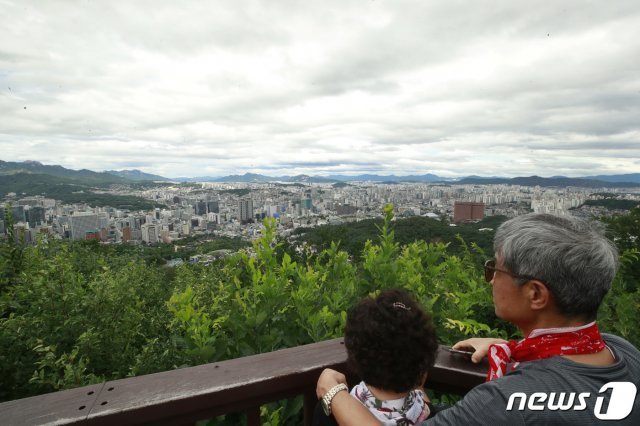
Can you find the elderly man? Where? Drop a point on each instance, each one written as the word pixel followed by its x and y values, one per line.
pixel 549 277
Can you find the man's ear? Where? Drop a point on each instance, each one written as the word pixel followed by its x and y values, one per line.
pixel 539 295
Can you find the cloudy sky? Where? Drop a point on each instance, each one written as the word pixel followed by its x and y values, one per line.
pixel 210 88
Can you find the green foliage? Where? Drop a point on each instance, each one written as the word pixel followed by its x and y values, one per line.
pixel 619 311
pixel 10 256
pixel 353 236
pixel 93 199
pixel 625 231
pixel 613 204
pixel 79 313
pixel 96 317
pixel 240 192
pixel 66 371
pixel 199 332
pixel 52 172
pixel 73 190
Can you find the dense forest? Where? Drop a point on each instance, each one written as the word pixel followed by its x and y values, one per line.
pixel 72 314
pixel 353 236
pixel 613 203
pixel 70 191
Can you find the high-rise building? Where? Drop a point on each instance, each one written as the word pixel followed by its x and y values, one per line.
pixel 16 211
pixel 271 211
pixel 245 210
pixel 213 218
pixel 150 233
pixel 200 208
pixel 126 234
pixel 103 221
pixel 213 207
pixel 83 223
pixel 306 203
pixel 35 216
pixel 186 228
pixel 463 211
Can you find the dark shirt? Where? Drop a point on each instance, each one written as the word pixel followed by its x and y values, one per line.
pixel 534 389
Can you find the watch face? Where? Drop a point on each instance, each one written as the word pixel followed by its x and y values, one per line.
pixel 325 407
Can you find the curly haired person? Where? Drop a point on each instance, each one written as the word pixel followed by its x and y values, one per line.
pixel 391 343
pixel 549 277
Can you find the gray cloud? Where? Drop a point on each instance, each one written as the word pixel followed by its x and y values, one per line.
pixel 452 88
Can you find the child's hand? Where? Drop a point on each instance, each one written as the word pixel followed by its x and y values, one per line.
pixel 328 379
pixel 479 344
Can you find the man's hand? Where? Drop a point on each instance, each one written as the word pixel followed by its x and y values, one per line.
pixel 328 379
pixel 479 344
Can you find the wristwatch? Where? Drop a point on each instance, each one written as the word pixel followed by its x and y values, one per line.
pixel 326 399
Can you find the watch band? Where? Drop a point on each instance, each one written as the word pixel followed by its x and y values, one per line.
pixel 326 399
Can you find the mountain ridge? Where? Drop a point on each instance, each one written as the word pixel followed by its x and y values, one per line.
pixel 35 167
pixel 546 182
pixel 135 175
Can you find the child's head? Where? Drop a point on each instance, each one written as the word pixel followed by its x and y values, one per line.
pixel 390 341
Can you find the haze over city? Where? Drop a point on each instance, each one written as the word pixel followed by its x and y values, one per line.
pixel 194 88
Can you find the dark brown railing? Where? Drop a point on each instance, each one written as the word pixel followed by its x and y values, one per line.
pixel 186 395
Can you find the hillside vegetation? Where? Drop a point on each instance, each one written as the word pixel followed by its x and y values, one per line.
pixel 75 314
pixel 71 190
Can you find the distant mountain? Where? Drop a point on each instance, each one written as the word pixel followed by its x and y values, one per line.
pixel 307 179
pixel 247 177
pixel 70 190
pixel 631 177
pixel 88 177
pixel 253 177
pixel 37 184
pixel 34 167
pixel 622 181
pixel 544 182
pixel 136 175
pixel 392 178
pixel 257 178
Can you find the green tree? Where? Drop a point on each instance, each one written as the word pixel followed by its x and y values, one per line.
pixel 11 252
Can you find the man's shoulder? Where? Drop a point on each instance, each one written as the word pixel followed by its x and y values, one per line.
pixel 620 343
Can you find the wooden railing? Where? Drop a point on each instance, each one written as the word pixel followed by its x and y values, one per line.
pixel 186 395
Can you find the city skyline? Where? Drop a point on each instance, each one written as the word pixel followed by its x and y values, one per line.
pixel 332 88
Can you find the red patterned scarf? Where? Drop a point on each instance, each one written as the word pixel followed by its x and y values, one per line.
pixel 544 343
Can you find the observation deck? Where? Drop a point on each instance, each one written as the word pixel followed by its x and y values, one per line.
pixel 184 396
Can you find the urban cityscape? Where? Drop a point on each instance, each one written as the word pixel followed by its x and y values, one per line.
pixel 236 210
pixel 207 210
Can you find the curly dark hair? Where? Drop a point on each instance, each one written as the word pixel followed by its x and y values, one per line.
pixel 390 341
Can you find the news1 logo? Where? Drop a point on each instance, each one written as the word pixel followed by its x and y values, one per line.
pixel 623 395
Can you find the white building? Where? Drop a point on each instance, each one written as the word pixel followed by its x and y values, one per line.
pixel 150 233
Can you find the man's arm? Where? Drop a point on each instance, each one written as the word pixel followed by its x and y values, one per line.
pixel 347 410
pixel 479 344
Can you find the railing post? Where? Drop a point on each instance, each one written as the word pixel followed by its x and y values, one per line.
pixel 253 416
pixel 310 401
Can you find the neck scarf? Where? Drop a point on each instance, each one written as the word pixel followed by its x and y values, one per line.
pixel 544 343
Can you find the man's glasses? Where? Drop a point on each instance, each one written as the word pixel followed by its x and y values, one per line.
pixel 490 270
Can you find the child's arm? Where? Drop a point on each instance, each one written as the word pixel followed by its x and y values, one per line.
pixel 347 410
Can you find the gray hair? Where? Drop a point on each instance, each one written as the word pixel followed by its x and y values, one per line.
pixel 572 257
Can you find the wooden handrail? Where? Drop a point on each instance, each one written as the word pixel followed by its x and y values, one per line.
pixel 186 395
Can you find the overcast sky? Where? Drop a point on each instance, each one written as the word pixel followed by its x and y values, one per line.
pixel 197 88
